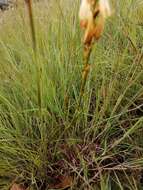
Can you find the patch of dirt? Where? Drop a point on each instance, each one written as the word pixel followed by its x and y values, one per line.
pixel 17 187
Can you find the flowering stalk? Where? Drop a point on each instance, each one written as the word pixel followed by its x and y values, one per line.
pixel 92 16
pixel 86 69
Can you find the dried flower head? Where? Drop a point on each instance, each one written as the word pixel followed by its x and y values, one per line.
pixel 92 16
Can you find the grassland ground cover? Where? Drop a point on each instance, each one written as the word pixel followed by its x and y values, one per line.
pixel 45 145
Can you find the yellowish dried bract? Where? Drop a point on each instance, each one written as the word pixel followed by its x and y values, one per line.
pixel 92 16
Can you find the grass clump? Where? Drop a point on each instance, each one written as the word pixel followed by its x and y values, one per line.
pixel 102 148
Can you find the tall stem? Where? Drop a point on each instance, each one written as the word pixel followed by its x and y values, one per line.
pixel 39 69
pixel 86 69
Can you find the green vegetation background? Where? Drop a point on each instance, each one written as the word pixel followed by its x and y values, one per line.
pixel 111 117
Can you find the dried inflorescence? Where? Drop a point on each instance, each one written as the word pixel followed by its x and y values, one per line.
pixel 92 16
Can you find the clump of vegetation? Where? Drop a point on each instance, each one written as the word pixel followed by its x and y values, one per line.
pixel 101 146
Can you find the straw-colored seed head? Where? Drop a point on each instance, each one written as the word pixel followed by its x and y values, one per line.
pixel 93 18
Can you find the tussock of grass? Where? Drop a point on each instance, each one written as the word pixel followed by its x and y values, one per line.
pixel 102 147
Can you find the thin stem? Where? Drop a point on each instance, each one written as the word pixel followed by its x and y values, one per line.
pixel 32 26
pixel 39 69
pixel 86 70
